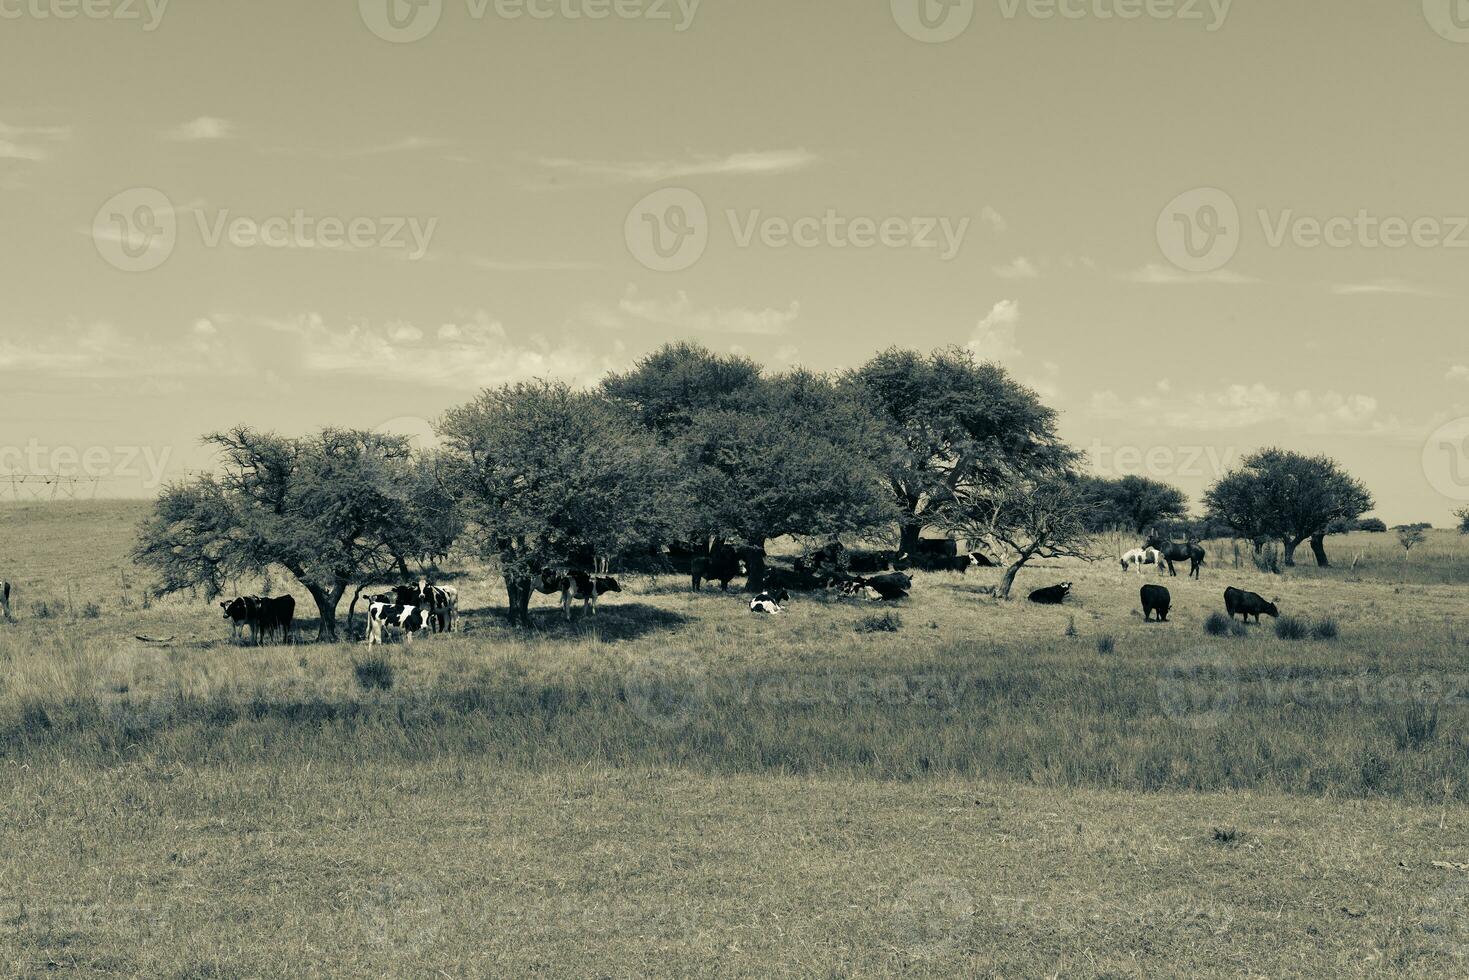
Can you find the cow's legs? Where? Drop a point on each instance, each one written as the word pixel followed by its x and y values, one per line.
pixel 566 603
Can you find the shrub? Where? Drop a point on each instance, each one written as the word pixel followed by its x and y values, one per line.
pixel 44 610
pixel 1106 644
pixel 1218 624
pixel 1267 559
pixel 1292 628
pixel 1228 836
pixel 1415 726
pixel 374 672
pixel 91 611
pixel 888 622
pixel 1325 629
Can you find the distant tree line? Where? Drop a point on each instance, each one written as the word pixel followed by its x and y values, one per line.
pixel 700 448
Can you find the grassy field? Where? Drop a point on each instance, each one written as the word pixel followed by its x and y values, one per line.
pixel 963 787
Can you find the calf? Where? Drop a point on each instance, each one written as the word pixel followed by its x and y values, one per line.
pixel 580 585
pixel 1053 596
pixel 769 603
pixel 1156 599
pixel 1248 604
pixel 409 620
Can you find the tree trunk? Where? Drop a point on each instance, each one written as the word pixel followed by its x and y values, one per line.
pixel 754 557
pixel 1291 544
pixel 1003 592
pixel 908 538
pixel 517 592
pixel 1318 547
pixel 326 609
pixel 352 612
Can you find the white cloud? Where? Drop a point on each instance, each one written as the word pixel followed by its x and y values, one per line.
pixel 1393 287
pixel 994 219
pixel 201 129
pixel 1165 275
pixel 29 142
pixel 679 313
pixel 653 171
pixel 1021 268
pixel 1243 406
pixel 994 336
pixel 1458 372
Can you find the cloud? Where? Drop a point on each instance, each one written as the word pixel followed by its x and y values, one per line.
pixel 1458 373
pixel 1395 287
pixel 994 336
pixel 1244 406
pixel 1021 268
pixel 654 171
pixel 201 129
pixel 680 314
pixel 30 142
pixel 1163 275
pixel 994 219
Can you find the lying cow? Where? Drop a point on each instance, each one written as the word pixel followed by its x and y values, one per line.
pixel 408 620
pixel 769 603
pixel 869 562
pixel 1156 599
pixel 1053 596
pixel 1248 604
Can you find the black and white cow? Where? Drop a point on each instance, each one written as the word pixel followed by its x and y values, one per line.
pixel 4 601
pixel 769 603
pixel 441 600
pixel 574 586
pixel 242 611
pixel 408 620
pixel 267 618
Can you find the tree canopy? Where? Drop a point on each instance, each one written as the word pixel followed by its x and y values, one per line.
pixel 331 509
pixel 1289 496
pixel 1134 503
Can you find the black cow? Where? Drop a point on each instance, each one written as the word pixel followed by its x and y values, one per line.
pixel 1175 552
pixel 869 562
pixel 1053 596
pixel 1247 604
pixel 936 548
pixel 1156 599
pixel 4 601
pixel 721 564
pixel 776 578
pixel 891 587
pixel 275 617
pixel 831 558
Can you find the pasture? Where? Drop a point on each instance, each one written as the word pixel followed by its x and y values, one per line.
pixel 948 786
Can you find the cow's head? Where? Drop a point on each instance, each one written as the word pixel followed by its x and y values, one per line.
pixel 605 585
pixel 1272 610
pixel 237 608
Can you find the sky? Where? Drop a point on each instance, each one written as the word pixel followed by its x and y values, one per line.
pixel 1195 227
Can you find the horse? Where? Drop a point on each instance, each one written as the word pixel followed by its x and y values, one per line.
pixel 1138 557
pixel 1173 551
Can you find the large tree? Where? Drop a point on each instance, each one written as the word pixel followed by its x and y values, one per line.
pixel 550 476
pixel 761 456
pixel 331 509
pixel 1276 493
pixel 962 425
pixel 1023 520
pixel 1134 503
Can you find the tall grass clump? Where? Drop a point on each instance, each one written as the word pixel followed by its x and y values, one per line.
pixel 1325 629
pixel 1292 628
pixel 374 672
pixel 888 622
pixel 1414 727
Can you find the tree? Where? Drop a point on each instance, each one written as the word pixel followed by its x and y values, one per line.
pixel 1038 519
pixel 1280 494
pixel 1410 537
pixel 331 509
pixel 550 476
pixel 761 457
pixel 963 426
pixel 1463 516
pixel 1135 503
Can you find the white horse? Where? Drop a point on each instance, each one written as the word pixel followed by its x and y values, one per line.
pixel 1138 557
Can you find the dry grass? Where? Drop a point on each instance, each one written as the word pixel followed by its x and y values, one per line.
pixel 682 787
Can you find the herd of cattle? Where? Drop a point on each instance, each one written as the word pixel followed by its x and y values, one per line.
pixel 878 576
